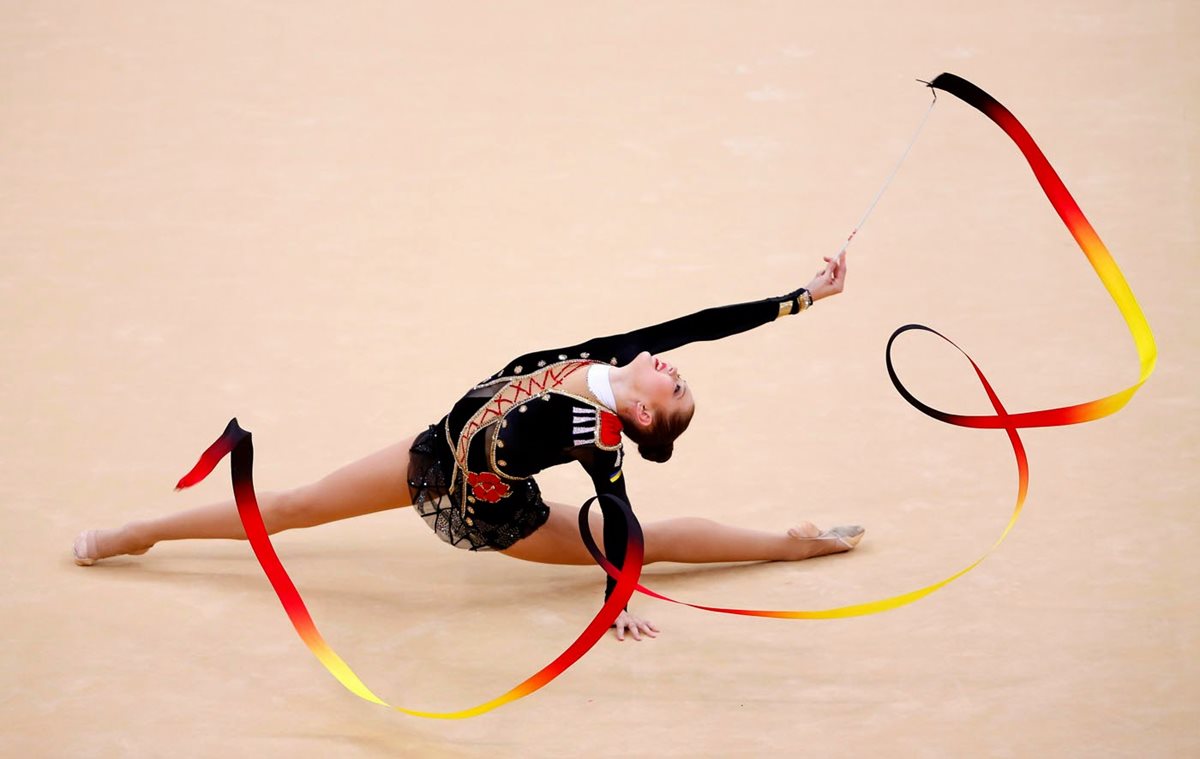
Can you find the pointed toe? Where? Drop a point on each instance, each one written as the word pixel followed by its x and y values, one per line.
pixel 85 548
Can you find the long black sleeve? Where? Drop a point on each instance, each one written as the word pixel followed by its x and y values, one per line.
pixel 615 530
pixel 604 467
pixel 709 324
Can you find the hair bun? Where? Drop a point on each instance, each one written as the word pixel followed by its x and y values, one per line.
pixel 657 452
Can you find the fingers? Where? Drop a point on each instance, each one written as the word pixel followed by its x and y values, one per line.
pixel 829 279
pixel 835 266
pixel 644 628
pixel 641 627
pixel 627 622
pixel 636 627
pixel 837 270
pixel 632 627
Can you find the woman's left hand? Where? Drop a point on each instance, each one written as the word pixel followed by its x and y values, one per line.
pixel 636 625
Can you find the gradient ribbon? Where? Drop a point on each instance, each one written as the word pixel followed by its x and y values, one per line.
pixel 235 440
pixel 1113 281
pixel 1098 256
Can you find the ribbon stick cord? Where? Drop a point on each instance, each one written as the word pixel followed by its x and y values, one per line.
pixel 896 170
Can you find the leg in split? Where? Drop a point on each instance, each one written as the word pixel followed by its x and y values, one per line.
pixel 690 540
pixel 375 483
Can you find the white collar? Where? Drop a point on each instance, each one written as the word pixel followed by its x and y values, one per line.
pixel 600 385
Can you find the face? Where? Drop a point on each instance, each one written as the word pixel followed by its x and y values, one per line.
pixel 660 388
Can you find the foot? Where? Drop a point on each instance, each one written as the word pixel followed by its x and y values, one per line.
pixel 93 545
pixel 809 541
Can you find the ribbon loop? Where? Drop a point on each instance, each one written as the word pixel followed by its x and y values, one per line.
pixel 1112 279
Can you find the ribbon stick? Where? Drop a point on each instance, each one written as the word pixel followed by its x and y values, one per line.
pixel 1112 279
pixel 237 441
pixel 887 182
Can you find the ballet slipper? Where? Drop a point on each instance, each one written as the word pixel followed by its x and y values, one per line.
pixel 86 552
pixel 85 548
pixel 845 537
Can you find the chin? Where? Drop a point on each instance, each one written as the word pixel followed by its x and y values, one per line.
pixel 644 362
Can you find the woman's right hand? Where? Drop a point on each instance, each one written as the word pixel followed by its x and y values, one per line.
pixel 830 280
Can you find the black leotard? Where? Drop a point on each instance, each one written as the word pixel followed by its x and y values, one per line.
pixel 472 472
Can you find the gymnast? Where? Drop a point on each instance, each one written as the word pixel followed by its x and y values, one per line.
pixel 470 475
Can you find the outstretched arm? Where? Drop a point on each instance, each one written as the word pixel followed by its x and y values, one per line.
pixel 722 321
pixel 709 324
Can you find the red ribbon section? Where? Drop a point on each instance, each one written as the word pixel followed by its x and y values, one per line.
pixel 237 441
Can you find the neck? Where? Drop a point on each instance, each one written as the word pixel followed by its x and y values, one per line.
pixel 620 380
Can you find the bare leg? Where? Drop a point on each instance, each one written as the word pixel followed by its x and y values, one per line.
pixel 688 540
pixel 374 483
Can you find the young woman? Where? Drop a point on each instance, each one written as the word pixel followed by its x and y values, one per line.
pixel 470 476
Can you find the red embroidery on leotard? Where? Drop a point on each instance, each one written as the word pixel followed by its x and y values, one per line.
pixel 513 392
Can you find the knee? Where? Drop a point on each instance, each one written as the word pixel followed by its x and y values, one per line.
pixel 291 509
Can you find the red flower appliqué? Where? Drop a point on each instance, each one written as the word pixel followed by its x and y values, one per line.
pixel 487 486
